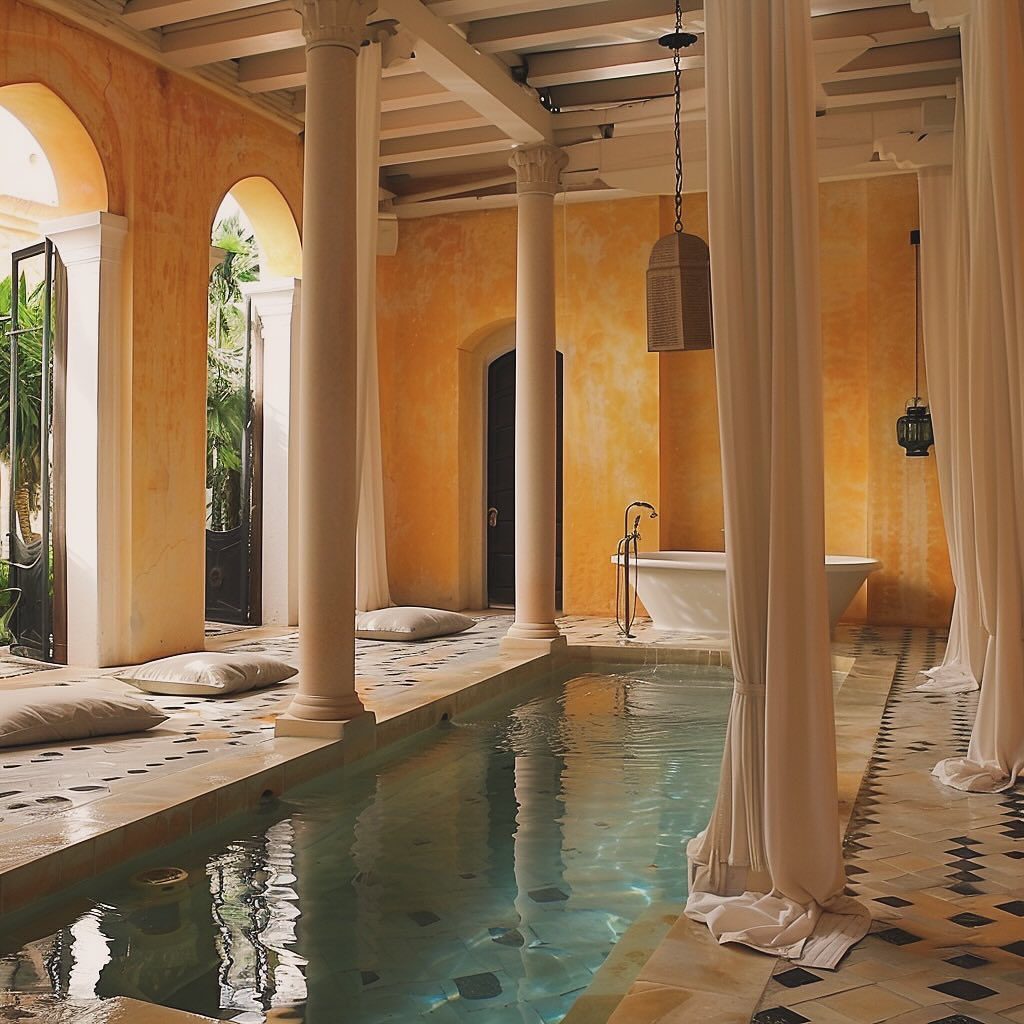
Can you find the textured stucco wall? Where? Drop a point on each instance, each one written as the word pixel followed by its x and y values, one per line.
pixel 170 150
pixel 877 501
pixel 640 425
pixel 454 277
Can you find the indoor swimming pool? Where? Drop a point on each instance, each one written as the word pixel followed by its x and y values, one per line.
pixel 482 872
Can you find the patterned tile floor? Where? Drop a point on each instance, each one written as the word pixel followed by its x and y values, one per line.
pixel 38 783
pixel 941 871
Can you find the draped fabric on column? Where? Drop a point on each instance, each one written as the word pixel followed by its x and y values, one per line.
pixel 372 590
pixel 768 870
pixel 944 271
pixel 992 44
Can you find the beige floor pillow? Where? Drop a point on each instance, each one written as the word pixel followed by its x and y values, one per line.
pixel 410 624
pixel 207 674
pixel 47 714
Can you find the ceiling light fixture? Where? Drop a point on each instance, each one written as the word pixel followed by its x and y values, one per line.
pixel 679 271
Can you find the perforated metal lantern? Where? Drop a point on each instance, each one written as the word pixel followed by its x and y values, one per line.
pixel 679 294
pixel 914 430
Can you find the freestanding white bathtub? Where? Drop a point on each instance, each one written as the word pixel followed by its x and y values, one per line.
pixel 685 590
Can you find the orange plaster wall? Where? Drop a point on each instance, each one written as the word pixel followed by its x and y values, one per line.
pixel 645 426
pixel 454 277
pixel 171 149
pixel 877 501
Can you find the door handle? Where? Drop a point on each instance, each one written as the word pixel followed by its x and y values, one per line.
pixel 492 517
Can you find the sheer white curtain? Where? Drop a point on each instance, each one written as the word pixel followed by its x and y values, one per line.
pixel 768 870
pixel 372 590
pixel 944 272
pixel 989 167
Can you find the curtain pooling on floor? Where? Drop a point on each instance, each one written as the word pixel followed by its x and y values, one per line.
pixel 768 870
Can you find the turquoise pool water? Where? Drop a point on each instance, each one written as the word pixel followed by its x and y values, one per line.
pixel 482 873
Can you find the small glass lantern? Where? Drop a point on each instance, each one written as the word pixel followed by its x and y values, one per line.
pixel 914 430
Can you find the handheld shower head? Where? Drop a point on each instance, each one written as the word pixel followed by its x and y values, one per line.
pixel 647 505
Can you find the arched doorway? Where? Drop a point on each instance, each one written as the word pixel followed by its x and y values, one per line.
pixel 501 481
pixel 254 242
pixel 50 171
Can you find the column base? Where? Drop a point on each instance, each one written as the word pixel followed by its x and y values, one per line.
pixel 513 643
pixel 359 732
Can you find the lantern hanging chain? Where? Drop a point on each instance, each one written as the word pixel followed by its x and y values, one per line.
pixel 677 63
pixel 917 324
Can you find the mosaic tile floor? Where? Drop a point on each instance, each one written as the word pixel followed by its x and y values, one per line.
pixel 941 871
pixel 37 783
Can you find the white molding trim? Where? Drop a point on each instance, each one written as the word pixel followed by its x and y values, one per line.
pixel 278 303
pixel 97 413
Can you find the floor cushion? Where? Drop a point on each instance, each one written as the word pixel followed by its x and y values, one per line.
pixel 46 714
pixel 207 674
pixel 410 624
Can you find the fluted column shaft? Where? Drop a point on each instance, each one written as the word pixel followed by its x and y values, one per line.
pixel 334 31
pixel 538 173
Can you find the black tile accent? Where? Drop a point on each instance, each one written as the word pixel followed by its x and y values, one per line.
pixel 1016 948
pixel 961 988
pixel 423 917
pixel 968 961
pixel 965 841
pixel 548 895
pixel 478 986
pixel 369 977
pixel 957 1018
pixel 795 977
pixel 1015 907
pixel 965 889
pixel 897 937
pixel 893 901
pixel 779 1015
pixel 968 920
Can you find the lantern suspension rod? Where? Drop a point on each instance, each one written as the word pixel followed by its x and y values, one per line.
pixel 676 41
pixel 917 320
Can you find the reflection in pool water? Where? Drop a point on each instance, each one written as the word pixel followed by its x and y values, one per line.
pixel 483 873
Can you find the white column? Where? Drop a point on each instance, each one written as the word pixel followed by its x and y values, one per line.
pixel 97 402
pixel 538 172
pixel 326 698
pixel 276 302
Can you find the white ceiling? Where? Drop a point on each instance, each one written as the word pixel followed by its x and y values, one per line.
pixel 487 75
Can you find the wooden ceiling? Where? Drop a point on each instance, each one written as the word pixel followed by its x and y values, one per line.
pixel 469 79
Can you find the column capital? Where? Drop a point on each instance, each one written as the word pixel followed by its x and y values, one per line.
pixel 273 295
pixel 336 22
pixel 538 169
pixel 87 237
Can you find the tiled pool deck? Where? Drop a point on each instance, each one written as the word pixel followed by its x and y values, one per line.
pixel 65 812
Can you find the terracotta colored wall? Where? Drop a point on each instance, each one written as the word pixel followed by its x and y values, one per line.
pixel 877 501
pixel 453 278
pixel 171 149
pixel 639 425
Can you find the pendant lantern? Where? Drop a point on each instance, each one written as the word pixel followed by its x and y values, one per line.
pixel 914 429
pixel 679 271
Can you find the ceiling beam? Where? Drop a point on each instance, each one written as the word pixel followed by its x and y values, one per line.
pixel 472 10
pixel 599 63
pixel 590 23
pixel 276 26
pixel 931 54
pixel 144 14
pixel 405 92
pixel 482 82
pixel 443 145
pixel 623 90
pixel 454 116
pixel 282 69
pixel 286 69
